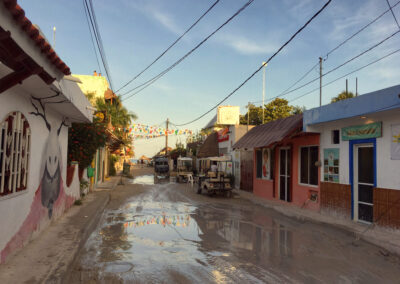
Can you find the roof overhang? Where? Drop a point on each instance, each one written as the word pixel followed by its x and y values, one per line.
pixel 379 101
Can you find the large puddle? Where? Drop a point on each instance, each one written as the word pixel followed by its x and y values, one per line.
pixel 150 240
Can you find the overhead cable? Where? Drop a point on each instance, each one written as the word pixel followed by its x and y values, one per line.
pixel 340 45
pixel 155 78
pixel 341 77
pixel 394 16
pixel 262 65
pixel 169 47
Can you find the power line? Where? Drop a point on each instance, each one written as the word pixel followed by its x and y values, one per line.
pixel 93 22
pixel 155 78
pixel 340 45
pixel 165 51
pixel 341 77
pixel 91 37
pixel 262 65
pixel 394 16
pixel 339 66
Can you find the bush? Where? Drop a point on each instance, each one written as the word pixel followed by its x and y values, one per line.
pixel 113 171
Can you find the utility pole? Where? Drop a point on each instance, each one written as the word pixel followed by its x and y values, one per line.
pixel 248 115
pixel 54 37
pixel 320 81
pixel 263 96
pixel 356 86
pixel 166 138
pixel 347 87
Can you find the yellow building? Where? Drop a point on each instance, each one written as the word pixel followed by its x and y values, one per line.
pixel 93 84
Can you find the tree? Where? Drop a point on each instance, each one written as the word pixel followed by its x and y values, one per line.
pixel 298 109
pixel 276 109
pixel 343 96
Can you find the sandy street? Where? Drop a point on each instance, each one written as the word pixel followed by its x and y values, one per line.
pixel 166 233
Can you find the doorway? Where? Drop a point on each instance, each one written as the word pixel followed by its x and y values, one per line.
pixel 285 174
pixel 364 182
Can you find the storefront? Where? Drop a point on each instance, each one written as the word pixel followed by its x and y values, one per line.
pixel 286 162
pixel 360 150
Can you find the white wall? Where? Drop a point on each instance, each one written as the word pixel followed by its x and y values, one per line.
pixel 388 171
pixel 15 208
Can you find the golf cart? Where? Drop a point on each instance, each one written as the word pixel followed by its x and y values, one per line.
pixel 161 168
pixel 184 169
pixel 215 176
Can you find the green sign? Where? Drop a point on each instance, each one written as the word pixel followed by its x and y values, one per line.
pixel 371 130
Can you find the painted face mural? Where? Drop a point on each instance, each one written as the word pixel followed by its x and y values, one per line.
pixel 51 163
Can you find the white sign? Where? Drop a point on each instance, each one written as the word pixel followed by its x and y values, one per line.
pixel 395 145
pixel 228 115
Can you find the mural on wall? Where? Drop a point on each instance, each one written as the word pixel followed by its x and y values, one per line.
pixel 51 164
pixel 50 198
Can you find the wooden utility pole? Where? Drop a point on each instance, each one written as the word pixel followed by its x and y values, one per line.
pixel 166 138
pixel 347 87
pixel 320 81
pixel 248 115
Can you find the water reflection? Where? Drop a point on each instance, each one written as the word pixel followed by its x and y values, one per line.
pixel 145 180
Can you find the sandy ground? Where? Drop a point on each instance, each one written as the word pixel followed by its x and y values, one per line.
pixel 166 233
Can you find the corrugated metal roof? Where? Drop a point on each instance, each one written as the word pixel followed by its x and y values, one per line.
pixel 269 133
pixel 211 123
pixel 209 147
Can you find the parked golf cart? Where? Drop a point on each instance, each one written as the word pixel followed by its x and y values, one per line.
pixel 184 169
pixel 215 176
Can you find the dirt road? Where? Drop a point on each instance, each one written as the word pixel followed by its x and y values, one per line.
pixel 166 233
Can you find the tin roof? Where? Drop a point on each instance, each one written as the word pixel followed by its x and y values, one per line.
pixel 269 133
pixel 209 147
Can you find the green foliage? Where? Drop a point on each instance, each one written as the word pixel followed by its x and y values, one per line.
pixel 113 159
pixel 178 151
pixel 276 109
pixel 83 141
pixel 78 202
pixel 83 185
pixel 342 96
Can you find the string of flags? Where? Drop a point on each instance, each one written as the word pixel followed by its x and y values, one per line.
pixel 141 131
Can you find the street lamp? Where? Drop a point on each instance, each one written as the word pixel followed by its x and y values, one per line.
pixel 263 94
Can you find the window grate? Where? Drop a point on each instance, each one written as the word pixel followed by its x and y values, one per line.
pixel 14 153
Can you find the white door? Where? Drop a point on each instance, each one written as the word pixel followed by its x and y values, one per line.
pixel 363 183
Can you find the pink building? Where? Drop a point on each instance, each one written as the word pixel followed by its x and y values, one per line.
pixel 286 162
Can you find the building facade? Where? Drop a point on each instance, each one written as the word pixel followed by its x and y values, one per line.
pixel 360 154
pixel 38 101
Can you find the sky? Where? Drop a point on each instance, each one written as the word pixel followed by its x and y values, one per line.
pixel 135 32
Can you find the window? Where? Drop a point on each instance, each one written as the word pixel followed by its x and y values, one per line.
pixel 308 169
pixel 14 153
pixel 259 163
pixel 263 157
pixel 335 136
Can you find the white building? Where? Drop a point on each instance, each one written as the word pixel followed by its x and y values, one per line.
pixel 38 100
pixel 360 150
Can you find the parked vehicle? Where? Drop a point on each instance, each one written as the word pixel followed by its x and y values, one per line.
pixel 184 169
pixel 161 167
pixel 216 179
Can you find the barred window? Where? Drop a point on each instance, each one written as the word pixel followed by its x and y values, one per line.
pixel 15 137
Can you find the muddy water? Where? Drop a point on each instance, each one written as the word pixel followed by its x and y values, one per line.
pixel 167 235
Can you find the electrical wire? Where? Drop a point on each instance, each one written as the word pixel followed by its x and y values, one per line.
pixel 169 47
pixel 340 45
pixel 341 77
pixel 394 16
pixel 93 22
pixel 155 78
pixel 91 37
pixel 262 65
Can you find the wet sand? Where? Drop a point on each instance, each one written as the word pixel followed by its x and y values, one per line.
pixel 166 233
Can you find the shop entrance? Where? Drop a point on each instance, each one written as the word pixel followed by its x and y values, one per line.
pixel 284 174
pixel 364 176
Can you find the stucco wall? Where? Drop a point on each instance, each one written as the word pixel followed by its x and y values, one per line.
pixel 93 84
pixel 387 170
pixel 300 193
pixel 23 214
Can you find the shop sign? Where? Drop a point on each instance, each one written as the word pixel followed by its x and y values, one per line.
pixel 101 115
pixel 371 130
pixel 223 135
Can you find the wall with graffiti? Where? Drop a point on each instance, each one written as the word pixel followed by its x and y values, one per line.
pixel 33 191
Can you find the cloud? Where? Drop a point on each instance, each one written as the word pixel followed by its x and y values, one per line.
pixel 165 20
pixel 246 46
